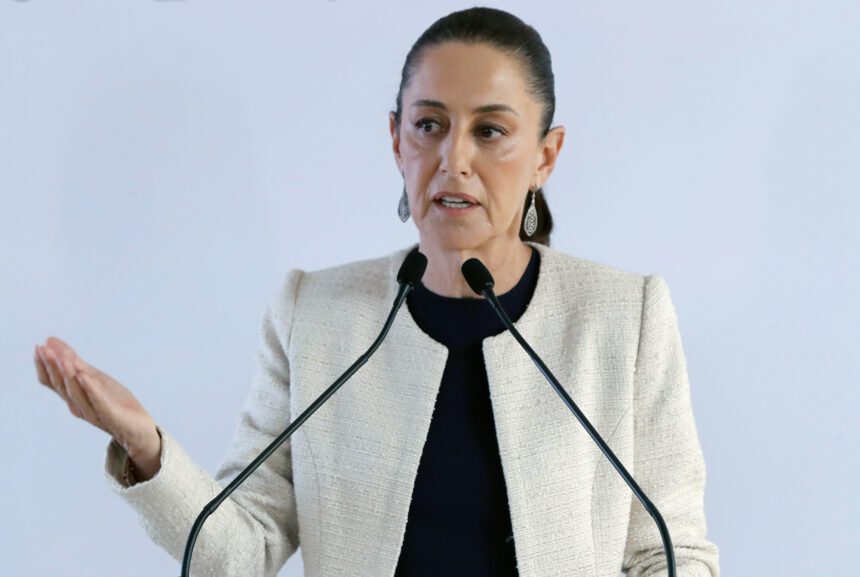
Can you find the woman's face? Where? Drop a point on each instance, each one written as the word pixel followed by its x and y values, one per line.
pixel 470 129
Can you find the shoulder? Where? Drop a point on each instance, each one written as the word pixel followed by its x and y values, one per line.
pixel 366 274
pixel 565 276
pixel 575 277
pixel 359 283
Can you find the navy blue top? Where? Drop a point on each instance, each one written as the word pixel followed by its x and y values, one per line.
pixel 459 523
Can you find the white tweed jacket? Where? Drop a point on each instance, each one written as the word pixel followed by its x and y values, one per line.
pixel 341 486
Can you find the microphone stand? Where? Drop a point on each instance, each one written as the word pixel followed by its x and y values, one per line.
pixel 481 281
pixel 410 273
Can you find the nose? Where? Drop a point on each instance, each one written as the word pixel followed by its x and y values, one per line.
pixel 456 154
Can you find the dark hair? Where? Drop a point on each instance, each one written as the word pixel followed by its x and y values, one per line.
pixel 508 33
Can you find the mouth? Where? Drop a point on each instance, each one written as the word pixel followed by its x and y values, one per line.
pixel 454 200
pixel 455 207
pixel 454 203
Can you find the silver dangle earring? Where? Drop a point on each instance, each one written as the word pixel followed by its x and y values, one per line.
pixel 403 206
pixel 531 223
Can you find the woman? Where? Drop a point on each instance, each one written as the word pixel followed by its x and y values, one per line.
pixel 447 454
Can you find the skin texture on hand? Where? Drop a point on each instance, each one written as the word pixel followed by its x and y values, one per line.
pixel 97 398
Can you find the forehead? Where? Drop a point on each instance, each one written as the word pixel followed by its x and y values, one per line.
pixel 464 74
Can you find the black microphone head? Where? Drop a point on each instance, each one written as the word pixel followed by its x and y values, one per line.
pixel 412 269
pixel 477 275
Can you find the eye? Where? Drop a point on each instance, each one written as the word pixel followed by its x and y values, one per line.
pixel 423 123
pixel 484 129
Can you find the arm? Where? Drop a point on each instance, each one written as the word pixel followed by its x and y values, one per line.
pixel 668 461
pixel 255 530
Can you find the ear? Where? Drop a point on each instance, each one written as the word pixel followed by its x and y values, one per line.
pixel 548 153
pixel 395 141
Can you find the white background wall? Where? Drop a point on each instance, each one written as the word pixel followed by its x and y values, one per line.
pixel 162 164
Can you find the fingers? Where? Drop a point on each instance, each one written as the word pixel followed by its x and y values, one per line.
pixel 49 367
pixel 64 351
pixel 48 376
pixel 73 388
pixel 65 383
pixel 41 370
pixel 78 386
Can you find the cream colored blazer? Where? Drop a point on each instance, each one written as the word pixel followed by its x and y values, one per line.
pixel 341 486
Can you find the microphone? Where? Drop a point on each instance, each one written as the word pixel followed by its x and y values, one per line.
pixel 481 281
pixel 408 276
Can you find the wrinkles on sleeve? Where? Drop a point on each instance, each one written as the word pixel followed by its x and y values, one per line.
pixel 255 530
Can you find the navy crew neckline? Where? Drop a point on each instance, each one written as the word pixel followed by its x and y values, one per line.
pixel 465 321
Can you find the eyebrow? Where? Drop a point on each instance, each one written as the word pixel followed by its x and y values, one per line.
pixel 478 110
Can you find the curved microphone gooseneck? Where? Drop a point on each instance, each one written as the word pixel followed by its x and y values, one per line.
pixel 481 281
pixel 408 276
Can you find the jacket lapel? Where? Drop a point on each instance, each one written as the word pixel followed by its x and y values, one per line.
pixel 546 456
pixel 372 434
pixel 375 427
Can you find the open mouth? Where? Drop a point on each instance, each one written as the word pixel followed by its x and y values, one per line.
pixel 450 202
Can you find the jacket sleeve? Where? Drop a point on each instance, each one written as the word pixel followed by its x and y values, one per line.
pixel 255 530
pixel 668 461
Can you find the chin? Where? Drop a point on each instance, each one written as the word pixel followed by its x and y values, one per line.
pixel 454 239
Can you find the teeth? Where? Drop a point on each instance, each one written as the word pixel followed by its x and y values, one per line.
pixel 457 204
pixel 454 200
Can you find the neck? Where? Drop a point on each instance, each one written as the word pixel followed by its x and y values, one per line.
pixel 506 261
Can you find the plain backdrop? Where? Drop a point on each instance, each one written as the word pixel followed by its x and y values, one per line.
pixel 163 164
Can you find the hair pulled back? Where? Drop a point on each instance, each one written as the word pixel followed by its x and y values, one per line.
pixel 511 35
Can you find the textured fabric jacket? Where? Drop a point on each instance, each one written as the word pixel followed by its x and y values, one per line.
pixel 341 486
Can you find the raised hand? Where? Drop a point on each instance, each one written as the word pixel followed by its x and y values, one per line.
pixel 99 399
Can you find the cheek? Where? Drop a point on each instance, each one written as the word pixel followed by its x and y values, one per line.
pixel 416 145
pixel 506 159
pixel 506 178
pixel 508 151
pixel 504 172
pixel 417 158
pixel 420 163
